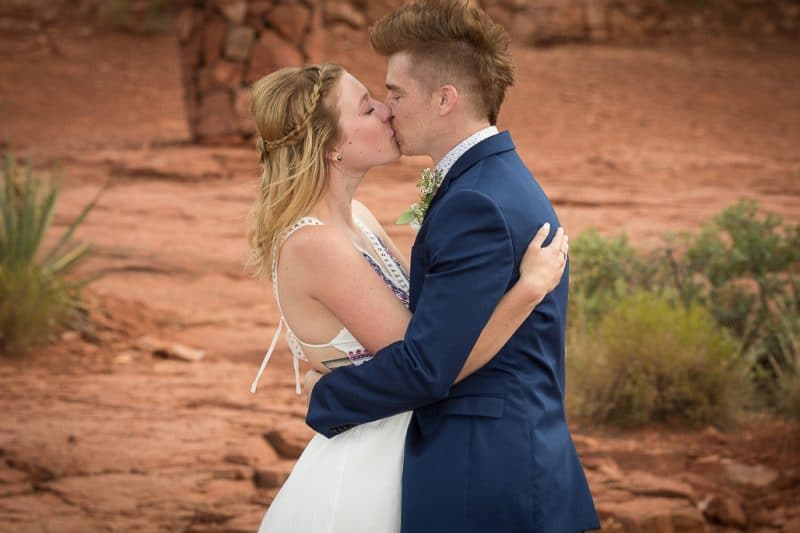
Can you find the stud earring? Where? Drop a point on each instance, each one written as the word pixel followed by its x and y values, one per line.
pixel 339 157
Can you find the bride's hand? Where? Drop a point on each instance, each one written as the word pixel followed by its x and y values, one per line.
pixel 310 379
pixel 542 267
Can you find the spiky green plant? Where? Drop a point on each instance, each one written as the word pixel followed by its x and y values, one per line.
pixel 36 289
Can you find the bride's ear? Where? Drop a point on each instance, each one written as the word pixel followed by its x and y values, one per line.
pixel 447 97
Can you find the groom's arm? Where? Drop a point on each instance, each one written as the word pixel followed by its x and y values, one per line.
pixel 470 264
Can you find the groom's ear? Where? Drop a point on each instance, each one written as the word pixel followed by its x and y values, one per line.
pixel 446 99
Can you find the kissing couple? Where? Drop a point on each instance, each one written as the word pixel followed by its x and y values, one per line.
pixel 436 389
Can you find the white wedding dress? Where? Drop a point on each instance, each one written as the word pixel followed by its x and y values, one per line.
pixel 350 483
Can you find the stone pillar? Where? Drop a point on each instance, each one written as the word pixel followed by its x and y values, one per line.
pixel 226 45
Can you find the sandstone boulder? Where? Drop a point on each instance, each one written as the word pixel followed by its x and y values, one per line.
pixel 726 511
pixel 271 53
pixel 234 11
pixel 291 21
pixel 289 438
pixel 238 43
pixel 656 515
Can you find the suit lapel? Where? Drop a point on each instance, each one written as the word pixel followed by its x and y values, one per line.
pixel 493 145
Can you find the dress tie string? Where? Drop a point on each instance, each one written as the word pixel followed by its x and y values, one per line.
pixel 269 354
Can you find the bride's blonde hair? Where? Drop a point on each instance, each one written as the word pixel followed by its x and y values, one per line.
pixel 297 125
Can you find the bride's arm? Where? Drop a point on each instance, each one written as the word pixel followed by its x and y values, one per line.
pixel 345 284
pixel 540 271
pixel 539 274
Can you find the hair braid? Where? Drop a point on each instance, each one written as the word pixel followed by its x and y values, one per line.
pixel 294 134
pixel 297 125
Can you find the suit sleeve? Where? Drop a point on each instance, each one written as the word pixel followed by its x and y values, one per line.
pixel 470 265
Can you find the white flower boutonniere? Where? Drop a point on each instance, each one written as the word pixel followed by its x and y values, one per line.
pixel 428 184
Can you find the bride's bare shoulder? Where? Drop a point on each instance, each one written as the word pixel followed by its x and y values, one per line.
pixel 324 260
pixel 309 244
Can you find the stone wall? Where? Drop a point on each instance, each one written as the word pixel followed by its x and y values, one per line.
pixel 543 22
pixel 228 44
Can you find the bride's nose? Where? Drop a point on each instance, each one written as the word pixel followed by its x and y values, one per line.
pixel 383 111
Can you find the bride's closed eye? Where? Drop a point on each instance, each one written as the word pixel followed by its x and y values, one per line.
pixel 369 101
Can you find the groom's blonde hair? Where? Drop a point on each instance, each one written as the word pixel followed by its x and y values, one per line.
pixel 297 125
pixel 451 42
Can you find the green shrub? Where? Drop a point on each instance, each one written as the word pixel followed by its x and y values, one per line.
pixel 600 270
pixel 35 291
pixel 744 268
pixel 789 398
pixel 603 270
pixel 652 360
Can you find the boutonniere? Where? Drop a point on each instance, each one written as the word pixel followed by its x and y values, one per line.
pixel 428 184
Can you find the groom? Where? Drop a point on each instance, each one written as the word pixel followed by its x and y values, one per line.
pixel 492 453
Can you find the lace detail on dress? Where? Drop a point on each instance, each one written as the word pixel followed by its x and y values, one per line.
pixel 399 292
pixel 398 273
pixel 345 343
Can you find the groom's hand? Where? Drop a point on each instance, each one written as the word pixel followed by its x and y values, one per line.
pixel 310 379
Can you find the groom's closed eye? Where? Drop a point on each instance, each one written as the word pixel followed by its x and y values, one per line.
pixel 394 92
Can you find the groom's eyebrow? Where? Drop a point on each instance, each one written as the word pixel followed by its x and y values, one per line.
pixel 393 87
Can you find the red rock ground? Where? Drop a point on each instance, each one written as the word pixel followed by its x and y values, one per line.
pixel 100 435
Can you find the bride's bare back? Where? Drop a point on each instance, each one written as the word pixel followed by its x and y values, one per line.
pixel 314 333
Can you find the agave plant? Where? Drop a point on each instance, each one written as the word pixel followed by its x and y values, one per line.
pixel 35 291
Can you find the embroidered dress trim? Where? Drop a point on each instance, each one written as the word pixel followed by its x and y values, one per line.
pixel 400 293
pixel 398 274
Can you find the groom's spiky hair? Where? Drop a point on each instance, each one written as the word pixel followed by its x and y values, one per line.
pixel 451 41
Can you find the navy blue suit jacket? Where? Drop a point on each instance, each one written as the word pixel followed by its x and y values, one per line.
pixel 492 453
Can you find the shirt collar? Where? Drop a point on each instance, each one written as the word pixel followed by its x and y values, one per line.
pixel 446 163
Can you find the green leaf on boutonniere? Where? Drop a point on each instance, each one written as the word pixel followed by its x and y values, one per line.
pixel 407 217
pixel 427 185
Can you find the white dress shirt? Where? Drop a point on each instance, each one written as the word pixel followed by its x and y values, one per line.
pixel 446 163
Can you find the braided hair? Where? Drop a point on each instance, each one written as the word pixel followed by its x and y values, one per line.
pixel 293 134
pixel 297 124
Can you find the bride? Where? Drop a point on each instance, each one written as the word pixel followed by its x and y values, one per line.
pixel 342 285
